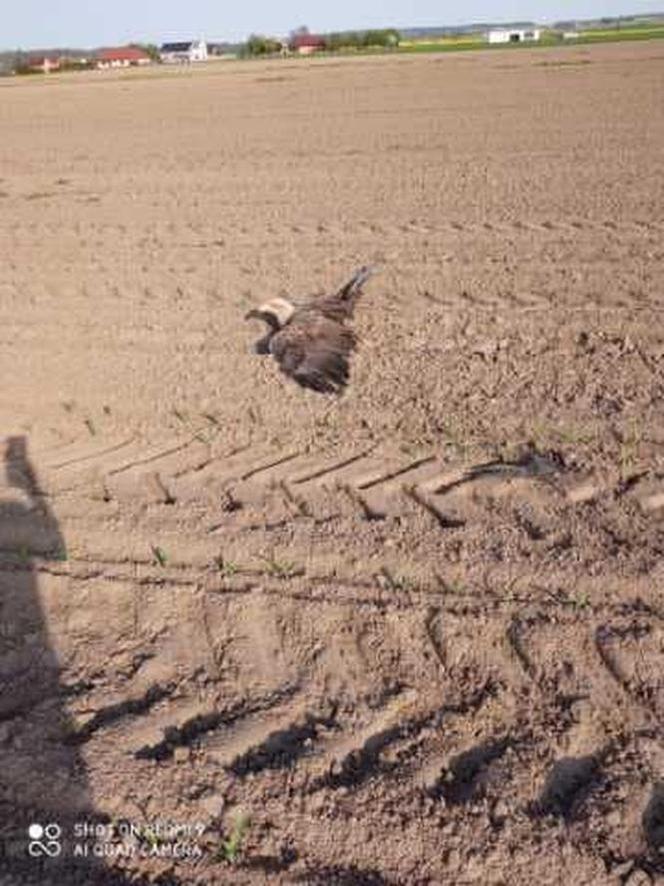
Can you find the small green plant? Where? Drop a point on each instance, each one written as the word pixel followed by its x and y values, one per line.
pixel 629 451
pixel 539 435
pixel 160 555
pixel 397 582
pixel 230 849
pixel 511 594
pixel 280 568
pixel 575 435
pixel 453 436
pixel 580 601
pixel 227 568
pixel 148 836
pixel 452 586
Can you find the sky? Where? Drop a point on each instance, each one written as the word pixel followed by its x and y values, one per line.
pixel 88 23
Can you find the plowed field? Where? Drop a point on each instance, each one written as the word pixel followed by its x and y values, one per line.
pixel 415 633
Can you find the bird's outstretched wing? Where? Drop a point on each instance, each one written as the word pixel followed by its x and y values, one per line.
pixel 314 351
pixel 341 304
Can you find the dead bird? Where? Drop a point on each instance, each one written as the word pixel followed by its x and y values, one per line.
pixel 311 342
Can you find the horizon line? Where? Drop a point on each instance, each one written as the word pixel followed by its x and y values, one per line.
pixel 468 24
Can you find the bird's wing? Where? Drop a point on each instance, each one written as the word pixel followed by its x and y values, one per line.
pixel 340 305
pixel 314 351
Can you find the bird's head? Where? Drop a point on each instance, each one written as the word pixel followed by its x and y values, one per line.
pixel 276 313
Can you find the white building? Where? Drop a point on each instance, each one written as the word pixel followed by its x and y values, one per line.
pixel 514 35
pixel 184 52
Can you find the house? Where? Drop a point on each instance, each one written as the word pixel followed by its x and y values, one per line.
pixel 44 63
pixel 121 57
pixel 305 44
pixel 514 35
pixel 184 52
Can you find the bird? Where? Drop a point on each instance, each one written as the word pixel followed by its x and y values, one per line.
pixel 311 342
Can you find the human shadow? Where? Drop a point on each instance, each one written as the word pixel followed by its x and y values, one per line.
pixel 44 788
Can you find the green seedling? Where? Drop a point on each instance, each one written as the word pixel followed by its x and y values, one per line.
pixel 397 582
pixel 453 437
pixel 539 434
pixel 580 601
pixel 227 568
pixel 452 586
pixel 230 849
pixel 629 451
pixel 146 835
pixel 160 555
pixel 575 435
pixel 280 568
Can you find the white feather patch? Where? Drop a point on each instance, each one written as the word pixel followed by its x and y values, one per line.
pixel 280 308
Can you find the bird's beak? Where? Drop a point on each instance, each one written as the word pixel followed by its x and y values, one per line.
pixel 262 347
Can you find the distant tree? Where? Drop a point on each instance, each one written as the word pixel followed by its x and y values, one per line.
pixel 20 64
pixel 343 40
pixel 19 61
pixel 76 64
pixel 257 44
pixel 150 48
pixel 387 37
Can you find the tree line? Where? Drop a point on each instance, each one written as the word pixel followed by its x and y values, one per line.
pixel 387 38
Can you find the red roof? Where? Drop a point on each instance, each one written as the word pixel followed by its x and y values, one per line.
pixel 122 54
pixel 37 61
pixel 305 41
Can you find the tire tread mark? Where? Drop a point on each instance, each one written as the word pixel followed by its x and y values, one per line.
pixel 368 484
pixel 363 761
pixel 187 733
pixel 443 520
pixel 112 713
pixel 282 747
pixel 336 466
pixel 97 454
pixel 368 513
pixel 275 463
pixel 602 635
pixel 152 458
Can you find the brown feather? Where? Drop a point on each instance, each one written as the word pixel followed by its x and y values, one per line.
pixel 314 350
pixel 310 343
pixel 341 305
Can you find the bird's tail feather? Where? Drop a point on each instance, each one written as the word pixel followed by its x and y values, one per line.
pixel 351 290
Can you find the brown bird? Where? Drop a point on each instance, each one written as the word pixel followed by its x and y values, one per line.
pixel 310 342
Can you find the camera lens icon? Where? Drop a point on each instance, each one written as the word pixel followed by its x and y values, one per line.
pixel 44 840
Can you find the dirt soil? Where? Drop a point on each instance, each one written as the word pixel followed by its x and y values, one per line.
pixel 415 633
